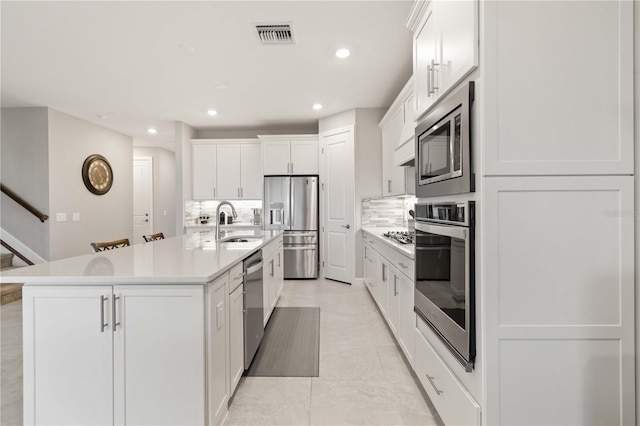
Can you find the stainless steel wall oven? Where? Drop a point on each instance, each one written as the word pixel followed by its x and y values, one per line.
pixel 445 280
pixel 443 147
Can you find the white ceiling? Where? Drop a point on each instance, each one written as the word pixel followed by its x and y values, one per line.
pixel 148 64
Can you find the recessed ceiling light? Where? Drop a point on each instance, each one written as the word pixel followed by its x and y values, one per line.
pixel 342 53
pixel 187 47
pixel 212 112
pixel 316 106
pixel 152 130
pixel 104 116
pixel 221 86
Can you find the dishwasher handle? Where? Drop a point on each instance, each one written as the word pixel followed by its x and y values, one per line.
pixel 254 268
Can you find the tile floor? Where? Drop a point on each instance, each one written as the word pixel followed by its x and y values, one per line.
pixel 363 377
pixel 363 380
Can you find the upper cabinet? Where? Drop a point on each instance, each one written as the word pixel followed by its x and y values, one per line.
pixel 558 101
pixel 289 154
pixel 398 147
pixel 445 47
pixel 227 169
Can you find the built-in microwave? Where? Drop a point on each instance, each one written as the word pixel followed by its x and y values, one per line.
pixel 444 274
pixel 443 147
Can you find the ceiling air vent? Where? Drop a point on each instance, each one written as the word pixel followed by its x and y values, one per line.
pixel 275 33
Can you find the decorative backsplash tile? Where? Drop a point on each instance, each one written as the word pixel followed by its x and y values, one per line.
pixel 387 212
pixel 194 209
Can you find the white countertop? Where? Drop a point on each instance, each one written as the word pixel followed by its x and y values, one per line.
pixel 231 226
pixel 190 259
pixel 406 249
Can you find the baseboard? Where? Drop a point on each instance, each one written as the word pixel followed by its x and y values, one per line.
pixel 21 248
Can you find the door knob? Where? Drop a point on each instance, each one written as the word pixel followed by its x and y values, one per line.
pixel 346 226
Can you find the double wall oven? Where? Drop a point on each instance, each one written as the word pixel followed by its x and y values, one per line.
pixel 444 279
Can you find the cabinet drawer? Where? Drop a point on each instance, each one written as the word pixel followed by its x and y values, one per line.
pixel 405 265
pixel 271 248
pixel 454 403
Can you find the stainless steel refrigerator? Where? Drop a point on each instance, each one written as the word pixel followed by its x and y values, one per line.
pixel 291 205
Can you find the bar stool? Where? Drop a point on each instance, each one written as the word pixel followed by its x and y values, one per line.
pixel 153 237
pixel 110 245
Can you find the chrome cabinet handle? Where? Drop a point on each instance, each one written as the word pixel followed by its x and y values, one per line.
pixel 114 312
pixel 272 268
pixel 430 378
pixel 428 81
pixel 291 168
pixel 402 265
pixel 389 185
pixel 214 192
pixel 433 76
pixel 346 226
pixel 395 285
pixel 103 324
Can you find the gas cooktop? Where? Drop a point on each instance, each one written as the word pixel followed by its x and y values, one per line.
pixel 402 237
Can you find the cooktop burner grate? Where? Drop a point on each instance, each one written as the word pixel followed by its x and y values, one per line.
pixel 402 237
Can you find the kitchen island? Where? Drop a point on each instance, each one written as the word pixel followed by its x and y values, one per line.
pixel 146 334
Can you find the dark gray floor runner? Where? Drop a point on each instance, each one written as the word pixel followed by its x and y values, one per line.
pixel 290 346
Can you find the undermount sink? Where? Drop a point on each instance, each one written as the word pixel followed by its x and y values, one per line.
pixel 240 239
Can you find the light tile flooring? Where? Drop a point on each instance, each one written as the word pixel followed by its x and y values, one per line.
pixel 363 380
pixel 363 377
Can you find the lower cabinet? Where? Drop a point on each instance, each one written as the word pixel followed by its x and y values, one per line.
pixel 217 333
pixel 113 354
pixel 272 276
pixel 236 330
pixel 455 405
pixel 393 298
pixel 407 320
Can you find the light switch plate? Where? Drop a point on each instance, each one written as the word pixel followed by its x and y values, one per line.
pixel 61 217
pixel 75 217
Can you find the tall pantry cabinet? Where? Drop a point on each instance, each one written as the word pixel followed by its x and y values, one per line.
pixel 553 145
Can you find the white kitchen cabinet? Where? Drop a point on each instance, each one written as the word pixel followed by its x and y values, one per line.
pixel 272 276
pixel 204 184
pixel 445 42
pixel 289 154
pixel 398 128
pixel 217 333
pixel 555 126
pixel 108 354
pixel 406 316
pixel 236 336
pixel 370 267
pixel 251 171
pixel 393 298
pixel 227 169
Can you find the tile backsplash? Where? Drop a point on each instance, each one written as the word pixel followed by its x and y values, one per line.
pixel 387 212
pixel 244 208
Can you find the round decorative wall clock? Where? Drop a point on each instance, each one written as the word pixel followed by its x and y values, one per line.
pixel 97 174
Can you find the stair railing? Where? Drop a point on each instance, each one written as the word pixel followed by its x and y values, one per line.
pixel 16 252
pixel 15 197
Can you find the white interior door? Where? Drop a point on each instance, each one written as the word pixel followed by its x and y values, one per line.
pixel 142 198
pixel 339 199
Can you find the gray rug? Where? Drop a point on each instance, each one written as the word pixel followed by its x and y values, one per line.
pixel 290 346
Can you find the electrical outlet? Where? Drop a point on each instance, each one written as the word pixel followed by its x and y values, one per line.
pixel 61 217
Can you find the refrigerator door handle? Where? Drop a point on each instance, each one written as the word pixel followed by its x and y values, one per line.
pixel 293 205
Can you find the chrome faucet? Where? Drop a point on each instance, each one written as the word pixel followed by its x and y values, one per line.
pixel 233 211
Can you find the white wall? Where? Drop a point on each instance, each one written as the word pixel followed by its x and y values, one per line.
pixel 25 170
pixel 102 217
pixel 164 188
pixel 336 121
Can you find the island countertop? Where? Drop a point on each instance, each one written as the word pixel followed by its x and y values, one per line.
pixel 190 259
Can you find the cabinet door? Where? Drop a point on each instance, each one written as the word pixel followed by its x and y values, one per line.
pixel 159 364
pixel 267 284
pixel 236 337
pixel 406 316
pixel 393 180
pixel 68 358
pixel 204 172
pixel 304 158
pixel 276 157
pixel 425 52
pixel 217 333
pixel 581 132
pixel 458 22
pixel 279 271
pixel 251 171
pixel 385 278
pixel 393 300
pixel 228 171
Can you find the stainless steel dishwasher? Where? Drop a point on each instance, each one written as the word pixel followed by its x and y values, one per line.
pixel 253 306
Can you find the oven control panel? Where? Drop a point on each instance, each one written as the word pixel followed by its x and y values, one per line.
pixel 458 213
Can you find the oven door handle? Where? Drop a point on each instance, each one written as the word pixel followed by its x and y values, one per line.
pixel 447 231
